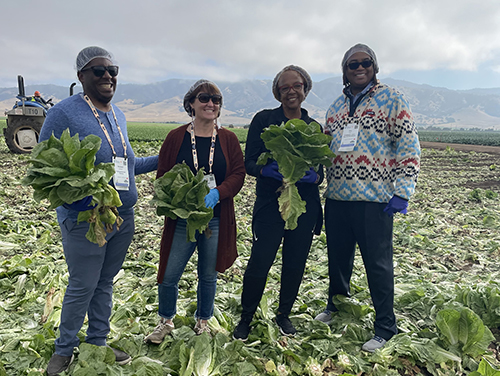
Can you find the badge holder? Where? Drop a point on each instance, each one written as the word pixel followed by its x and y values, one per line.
pixel 210 179
pixel 349 137
pixel 121 178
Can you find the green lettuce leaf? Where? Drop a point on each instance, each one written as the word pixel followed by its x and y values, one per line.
pixel 463 331
pixel 297 147
pixel 70 144
pixel 181 194
pixel 64 171
pixel 485 369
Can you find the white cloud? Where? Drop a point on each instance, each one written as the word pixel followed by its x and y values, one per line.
pixel 235 39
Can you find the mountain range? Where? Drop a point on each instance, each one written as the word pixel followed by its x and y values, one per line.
pixel 162 102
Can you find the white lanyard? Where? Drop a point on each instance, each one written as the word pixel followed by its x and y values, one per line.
pixel 212 148
pixel 96 114
pixel 120 178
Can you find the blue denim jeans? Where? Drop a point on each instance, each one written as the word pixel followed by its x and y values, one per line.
pixel 90 285
pixel 180 253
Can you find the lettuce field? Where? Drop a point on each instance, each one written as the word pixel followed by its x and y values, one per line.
pixel 447 301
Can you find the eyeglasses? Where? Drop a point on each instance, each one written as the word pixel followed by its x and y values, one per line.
pixel 100 70
pixel 286 89
pixel 355 64
pixel 205 98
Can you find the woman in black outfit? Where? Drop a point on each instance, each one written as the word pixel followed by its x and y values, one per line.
pixel 290 87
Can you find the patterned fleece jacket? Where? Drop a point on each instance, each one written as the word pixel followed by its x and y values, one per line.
pixel 386 158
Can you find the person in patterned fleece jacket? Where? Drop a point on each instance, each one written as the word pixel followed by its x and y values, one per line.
pixel 372 177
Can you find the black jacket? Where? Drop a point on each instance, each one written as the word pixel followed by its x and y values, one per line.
pixel 267 194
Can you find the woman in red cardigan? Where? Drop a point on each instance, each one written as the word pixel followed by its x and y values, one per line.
pixel 200 143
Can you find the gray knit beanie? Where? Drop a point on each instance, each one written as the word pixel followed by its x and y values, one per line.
pixel 307 80
pixel 189 94
pixel 90 53
pixel 360 48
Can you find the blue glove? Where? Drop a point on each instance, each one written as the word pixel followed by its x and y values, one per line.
pixel 271 171
pixel 396 205
pixel 310 177
pixel 80 205
pixel 212 198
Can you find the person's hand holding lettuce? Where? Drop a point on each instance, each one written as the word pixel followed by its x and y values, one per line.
pixel 181 194
pixel 297 147
pixel 63 172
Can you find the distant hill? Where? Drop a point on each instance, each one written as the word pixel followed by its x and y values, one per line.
pixel 162 101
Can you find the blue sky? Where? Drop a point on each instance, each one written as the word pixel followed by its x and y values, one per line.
pixel 446 43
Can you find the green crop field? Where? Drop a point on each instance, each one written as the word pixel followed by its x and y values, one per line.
pixel 149 131
pixel 158 131
pixel 487 138
pixel 155 132
pixel 447 297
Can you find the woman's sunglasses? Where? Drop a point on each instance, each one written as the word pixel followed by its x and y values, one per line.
pixel 100 70
pixel 205 98
pixel 355 64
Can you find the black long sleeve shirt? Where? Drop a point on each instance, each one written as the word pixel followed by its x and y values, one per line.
pixel 267 187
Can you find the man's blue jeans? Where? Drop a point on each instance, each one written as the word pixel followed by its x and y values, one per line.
pixel 180 253
pixel 90 286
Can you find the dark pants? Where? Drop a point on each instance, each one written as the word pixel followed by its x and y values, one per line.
pixel 268 230
pixel 364 223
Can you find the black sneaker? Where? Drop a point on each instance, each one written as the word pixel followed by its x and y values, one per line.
pixel 286 326
pixel 58 364
pixel 242 330
pixel 122 357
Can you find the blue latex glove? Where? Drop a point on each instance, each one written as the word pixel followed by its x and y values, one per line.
pixel 271 171
pixel 310 177
pixel 212 198
pixel 80 205
pixel 396 205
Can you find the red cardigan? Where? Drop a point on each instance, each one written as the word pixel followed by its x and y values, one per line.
pixel 235 176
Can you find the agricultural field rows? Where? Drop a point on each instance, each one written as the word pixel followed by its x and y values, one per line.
pixel 151 132
pixel 447 302
pixel 158 131
pixel 487 138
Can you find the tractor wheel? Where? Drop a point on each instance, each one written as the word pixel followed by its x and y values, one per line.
pixel 21 134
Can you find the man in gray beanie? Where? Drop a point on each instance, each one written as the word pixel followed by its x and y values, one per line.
pixel 88 54
pixel 92 267
pixel 290 87
pixel 371 179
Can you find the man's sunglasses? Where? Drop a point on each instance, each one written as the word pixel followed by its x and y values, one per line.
pixel 205 98
pixel 100 70
pixel 355 64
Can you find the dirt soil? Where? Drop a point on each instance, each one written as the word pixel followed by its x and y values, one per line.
pixel 487 156
pixel 461 147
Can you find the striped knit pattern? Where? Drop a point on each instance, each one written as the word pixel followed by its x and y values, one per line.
pixel 386 158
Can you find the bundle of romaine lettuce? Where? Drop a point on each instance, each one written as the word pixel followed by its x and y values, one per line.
pixel 64 171
pixel 297 147
pixel 181 194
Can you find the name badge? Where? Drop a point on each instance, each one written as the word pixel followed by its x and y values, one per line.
pixel 120 178
pixel 349 137
pixel 210 179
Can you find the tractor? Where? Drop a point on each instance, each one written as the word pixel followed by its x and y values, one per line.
pixel 25 120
